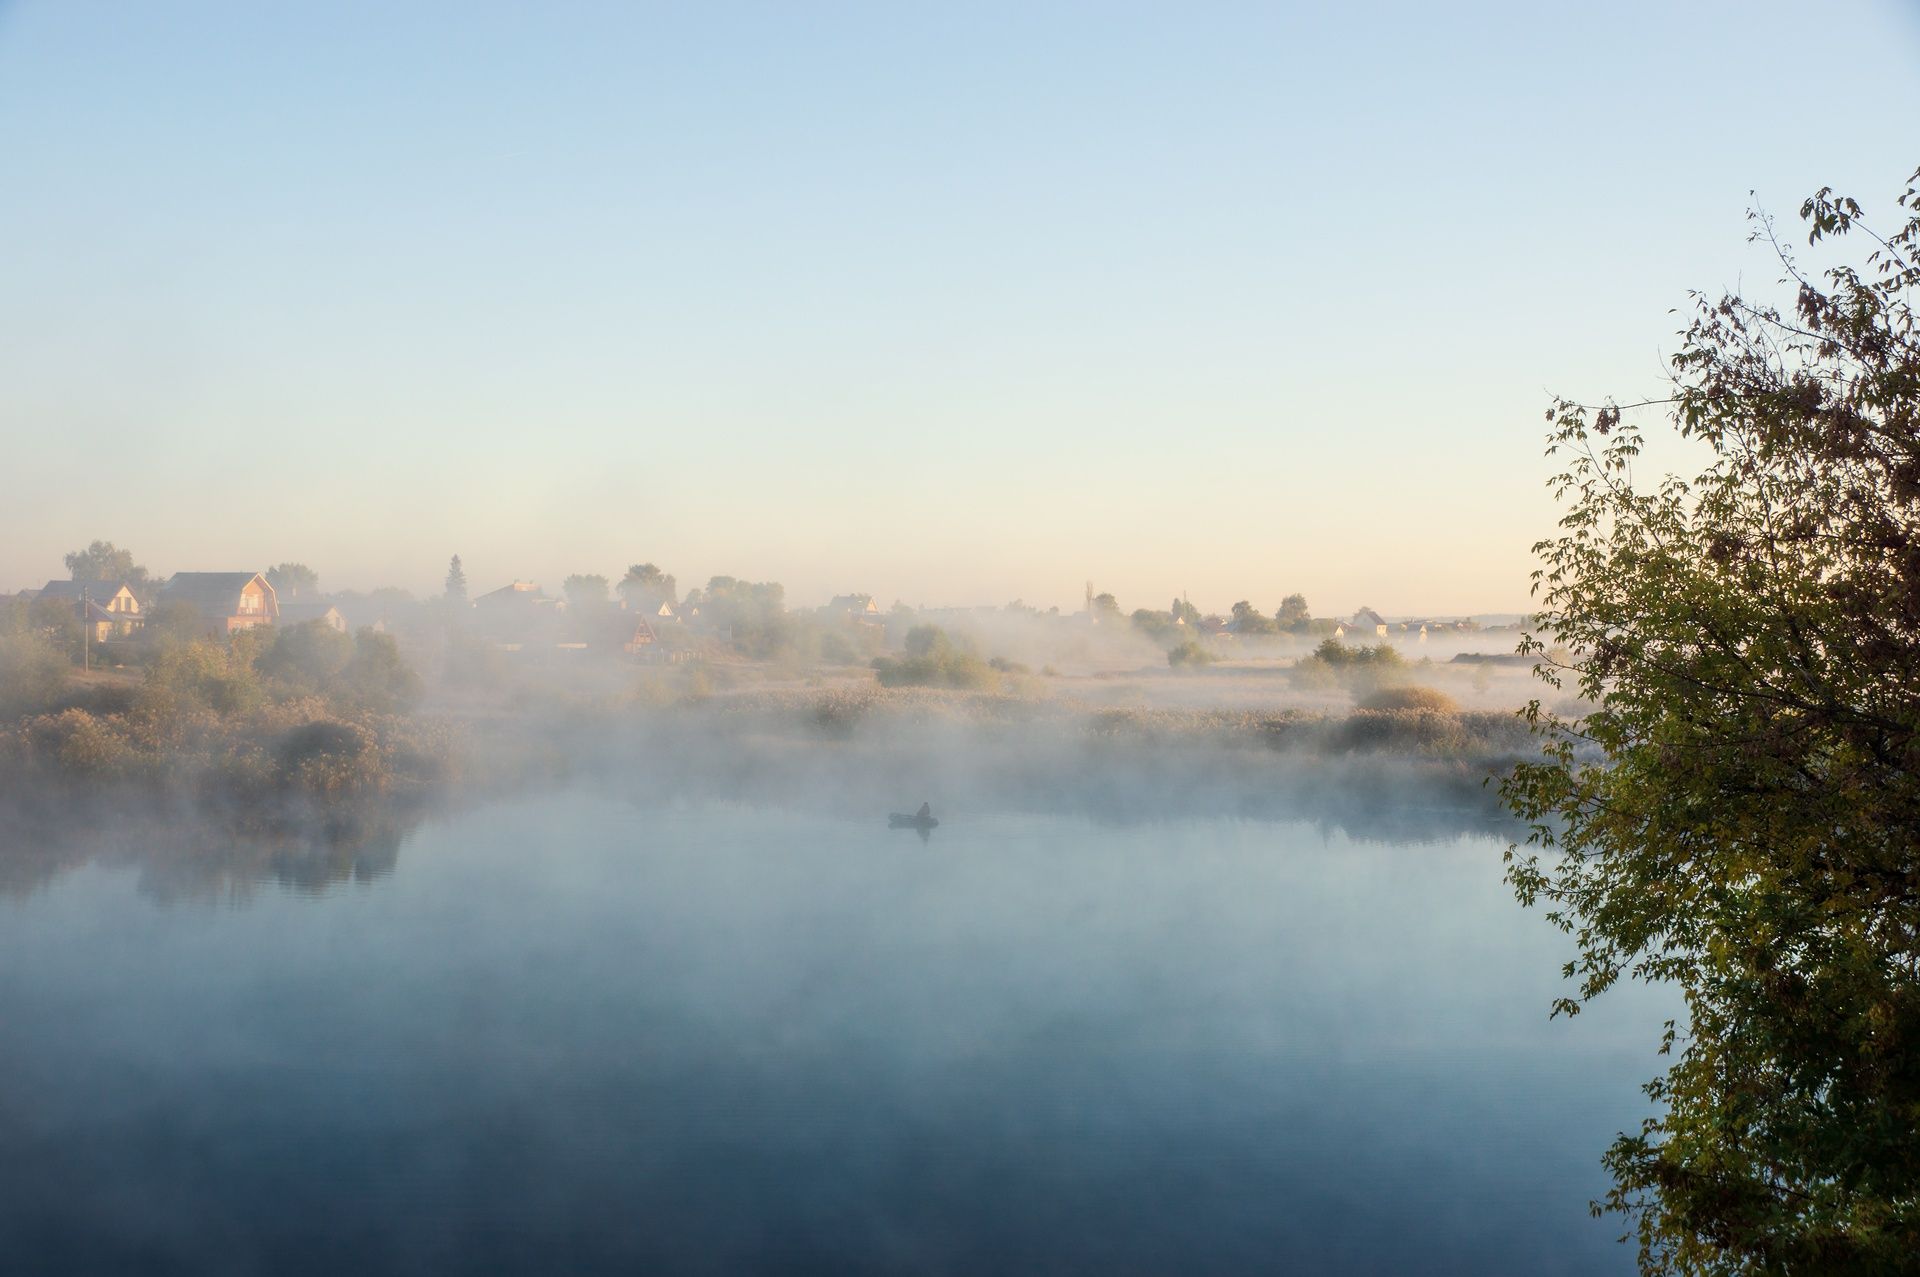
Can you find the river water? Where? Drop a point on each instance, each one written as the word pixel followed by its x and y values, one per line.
pixel 571 1035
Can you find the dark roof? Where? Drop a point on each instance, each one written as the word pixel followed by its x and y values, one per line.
pixel 519 592
pixel 72 589
pixel 212 592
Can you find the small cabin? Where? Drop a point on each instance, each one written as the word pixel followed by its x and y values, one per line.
pixel 641 638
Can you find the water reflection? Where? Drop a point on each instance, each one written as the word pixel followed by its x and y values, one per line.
pixel 591 1037
pixel 184 855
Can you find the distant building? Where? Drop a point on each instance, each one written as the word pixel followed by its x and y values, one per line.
pixel 303 613
pixel 519 613
pixel 108 609
pixel 640 638
pixel 855 609
pixel 518 595
pixel 225 602
pixel 1367 620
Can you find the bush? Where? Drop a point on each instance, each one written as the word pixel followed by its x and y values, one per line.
pixel 306 658
pixel 84 745
pixel 1190 652
pixel 328 758
pixel 377 677
pixel 1411 696
pixel 1337 654
pixel 32 673
pixel 201 674
pixel 934 660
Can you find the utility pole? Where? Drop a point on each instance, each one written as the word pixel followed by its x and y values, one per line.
pixel 86 630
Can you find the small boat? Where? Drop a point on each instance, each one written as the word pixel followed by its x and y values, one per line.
pixel 922 819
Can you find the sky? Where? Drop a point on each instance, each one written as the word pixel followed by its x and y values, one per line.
pixel 948 304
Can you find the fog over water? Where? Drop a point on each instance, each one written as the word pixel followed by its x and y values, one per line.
pixel 579 1033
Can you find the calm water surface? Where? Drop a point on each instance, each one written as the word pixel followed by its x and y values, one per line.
pixel 570 1036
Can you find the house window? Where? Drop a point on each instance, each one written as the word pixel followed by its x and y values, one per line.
pixel 249 603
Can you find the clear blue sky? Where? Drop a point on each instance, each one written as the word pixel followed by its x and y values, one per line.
pixel 947 303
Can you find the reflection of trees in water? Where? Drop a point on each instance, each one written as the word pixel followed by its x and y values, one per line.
pixel 186 855
pixel 1382 796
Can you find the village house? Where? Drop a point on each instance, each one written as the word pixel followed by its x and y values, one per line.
pixel 665 611
pixel 854 609
pixel 107 609
pixel 305 612
pixel 519 614
pixel 358 614
pixel 224 602
pixel 522 596
pixel 1368 621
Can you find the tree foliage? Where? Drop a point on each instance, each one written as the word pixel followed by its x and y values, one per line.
pixel 1161 627
pixel 645 584
pixel 934 659
pixel 1249 620
pixel 1292 615
pixel 1332 651
pixel 456 580
pixel 293 580
pixel 586 592
pixel 103 561
pixel 1738 810
pixel 1192 653
pixel 752 614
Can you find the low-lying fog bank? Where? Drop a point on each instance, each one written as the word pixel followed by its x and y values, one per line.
pixel 857 752
pixel 303 755
pixel 863 752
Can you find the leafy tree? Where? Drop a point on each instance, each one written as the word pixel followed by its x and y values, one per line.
pixel 202 673
pixel 1738 809
pixel 1158 626
pixel 292 580
pixel 934 659
pixel 171 623
pixel 1185 611
pixel 456 580
pixel 1191 652
pixel 1106 607
pixel 102 561
pixel 752 613
pixel 645 584
pixel 305 658
pixel 377 677
pixel 1337 654
pixel 1293 616
pixel 32 670
pixel 1248 620
pixel 58 622
pixel 585 593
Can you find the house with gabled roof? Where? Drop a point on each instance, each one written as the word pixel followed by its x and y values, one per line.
pixel 1369 621
pixel 106 608
pixel 225 602
pixel 518 614
pixel 303 612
